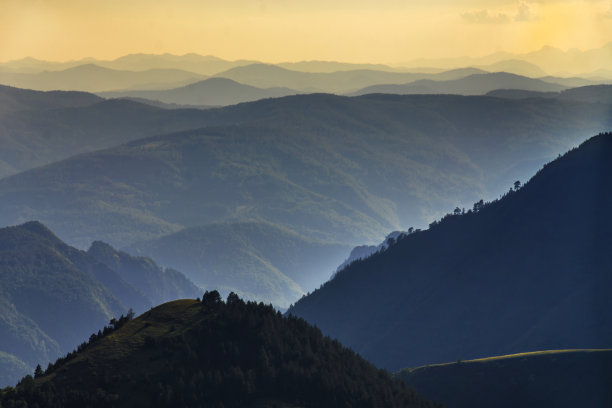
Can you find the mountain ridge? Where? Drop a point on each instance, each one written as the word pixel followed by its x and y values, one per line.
pixel 475 84
pixel 214 91
pixel 507 301
pixel 235 353
pixel 94 78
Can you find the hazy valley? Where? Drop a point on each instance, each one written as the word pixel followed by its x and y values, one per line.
pixel 188 230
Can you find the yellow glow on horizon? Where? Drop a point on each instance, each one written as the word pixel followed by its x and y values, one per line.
pixel 388 31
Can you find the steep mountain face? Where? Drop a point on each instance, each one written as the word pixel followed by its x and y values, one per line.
pixel 476 84
pixel 364 251
pixel 209 353
pixel 158 284
pixel 562 379
pixel 210 92
pixel 528 272
pixel 258 260
pixel 52 295
pixel 550 59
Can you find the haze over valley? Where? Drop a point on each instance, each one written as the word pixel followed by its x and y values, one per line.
pixel 281 204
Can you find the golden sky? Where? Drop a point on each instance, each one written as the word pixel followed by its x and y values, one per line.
pixel 382 31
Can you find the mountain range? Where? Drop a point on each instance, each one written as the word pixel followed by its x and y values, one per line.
pixel 39 128
pixel 94 78
pixel 212 353
pixel 267 81
pixel 52 296
pixel 200 64
pixel 237 179
pixel 547 60
pixel 209 92
pixel 473 286
pixel 585 63
pixel 268 76
pixel 476 84
pixel 335 171
pixel 177 80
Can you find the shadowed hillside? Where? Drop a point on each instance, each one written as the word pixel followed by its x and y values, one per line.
pixel 560 379
pixel 213 354
pixel 528 272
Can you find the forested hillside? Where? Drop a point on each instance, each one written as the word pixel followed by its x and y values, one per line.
pixel 212 354
pixel 530 271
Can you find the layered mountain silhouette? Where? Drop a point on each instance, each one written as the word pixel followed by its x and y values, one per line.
pixel 476 84
pixel 211 353
pixel 17 100
pixel 530 271
pixel 94 78
pixel 587 63
pixel 199 64
pixel 550 59
pixel 42 127
pixel 329 169
pixel 52 295
pixel 563 379
pixel 515 66
pixel 210 92
pixel 592 94
pixel 11 369
pixel 344 81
